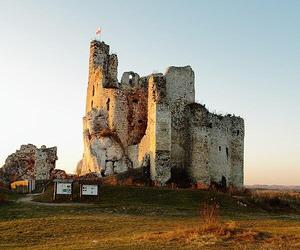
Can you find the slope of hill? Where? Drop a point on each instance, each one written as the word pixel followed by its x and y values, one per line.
pixel 152 218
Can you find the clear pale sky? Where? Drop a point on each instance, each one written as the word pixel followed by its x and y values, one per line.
pixel 245 54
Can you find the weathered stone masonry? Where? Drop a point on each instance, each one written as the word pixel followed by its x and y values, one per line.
pixel 154 120
pixel 29 162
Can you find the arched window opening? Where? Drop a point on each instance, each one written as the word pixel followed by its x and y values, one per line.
pixel 220 148
pixel 93 92
pixel 92 104
pixel 130 79
pixel 227 152
pixel 237 132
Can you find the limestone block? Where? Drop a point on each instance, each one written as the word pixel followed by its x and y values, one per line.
pixel 99 153
pixel 114 152
pixel 105 142
pixel 109 168
pixel 100 143
pixel 96 121
pixel 163 167
pixel 58 174
pixel 120 166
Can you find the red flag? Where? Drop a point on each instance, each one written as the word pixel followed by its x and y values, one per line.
pixel 98 31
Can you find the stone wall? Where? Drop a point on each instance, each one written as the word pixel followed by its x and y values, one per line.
pixel 180 91
pixel 45 159
pixel 216 147
pixel 159 132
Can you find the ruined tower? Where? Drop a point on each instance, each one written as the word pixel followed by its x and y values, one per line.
pixel 154 121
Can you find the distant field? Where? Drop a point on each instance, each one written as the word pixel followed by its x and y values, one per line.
pixel 153 218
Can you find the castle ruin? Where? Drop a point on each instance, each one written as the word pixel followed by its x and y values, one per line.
pixel 153 121
pixel 29 163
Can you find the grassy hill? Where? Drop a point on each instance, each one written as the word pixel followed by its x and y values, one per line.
pixel 151 218
pixel 163 200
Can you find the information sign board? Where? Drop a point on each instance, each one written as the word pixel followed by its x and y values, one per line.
pixel 63 188
pixel 89 189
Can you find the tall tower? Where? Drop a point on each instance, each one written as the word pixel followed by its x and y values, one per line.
pixel 103 126
pixel 103 70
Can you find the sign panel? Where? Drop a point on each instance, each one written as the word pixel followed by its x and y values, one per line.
pixel 89 189
pixel 63 188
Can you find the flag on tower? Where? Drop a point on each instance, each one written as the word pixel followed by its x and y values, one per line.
pixel 98 31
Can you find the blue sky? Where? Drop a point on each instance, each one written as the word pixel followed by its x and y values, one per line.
pixel 245 54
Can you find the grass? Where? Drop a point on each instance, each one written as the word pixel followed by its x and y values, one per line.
pixel 145 200
pixel 6 195
pixel 3 198
pixel 281 200
pixel 148 218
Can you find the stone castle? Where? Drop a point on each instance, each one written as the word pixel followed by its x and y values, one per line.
pixel 153 121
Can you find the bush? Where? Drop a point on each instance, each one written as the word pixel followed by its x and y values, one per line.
pixel 209 214
pixel 275 200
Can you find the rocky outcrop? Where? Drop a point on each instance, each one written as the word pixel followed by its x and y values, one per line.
pixel 104 152
pixel 58 174
pixel 29 162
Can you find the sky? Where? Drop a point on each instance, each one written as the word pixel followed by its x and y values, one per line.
pixel 245 54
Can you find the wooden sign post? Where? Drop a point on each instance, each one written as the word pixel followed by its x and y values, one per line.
pixel 89 189
pixel 63 187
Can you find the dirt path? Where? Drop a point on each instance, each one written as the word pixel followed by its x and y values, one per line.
pixel 28 200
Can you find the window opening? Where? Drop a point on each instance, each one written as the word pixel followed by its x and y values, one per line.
pixel 107 104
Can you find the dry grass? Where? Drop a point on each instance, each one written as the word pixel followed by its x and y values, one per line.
pixel 228 235
pixel 212 232
pixel 209 214
pixel 88 230
pixel 148 218
pixel 275 200
pixel 281 194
